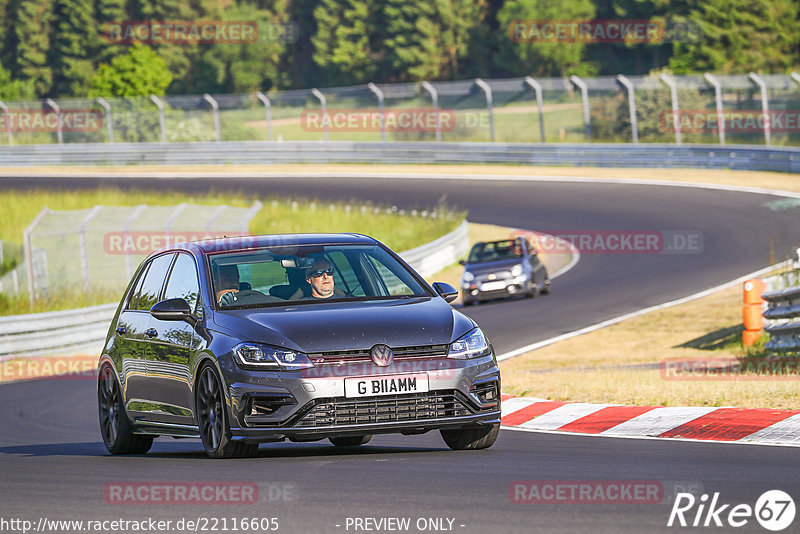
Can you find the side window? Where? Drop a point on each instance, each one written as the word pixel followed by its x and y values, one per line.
pixel 183 281
pixel 137 289
pixel 394 285
pixel 153 282
pixel 344 276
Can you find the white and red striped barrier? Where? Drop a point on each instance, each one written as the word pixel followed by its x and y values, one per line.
pixel 743 425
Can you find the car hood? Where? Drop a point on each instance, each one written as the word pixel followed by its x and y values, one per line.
pixel 348 325
pixel 493 266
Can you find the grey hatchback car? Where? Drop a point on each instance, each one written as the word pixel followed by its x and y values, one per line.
pixel 506 268
pixel 302 337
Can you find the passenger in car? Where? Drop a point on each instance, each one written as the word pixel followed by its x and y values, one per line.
pixel 228 284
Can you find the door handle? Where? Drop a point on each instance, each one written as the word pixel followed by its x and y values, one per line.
pixel 151 332
pixel 122 330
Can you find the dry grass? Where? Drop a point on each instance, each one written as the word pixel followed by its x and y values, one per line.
pixel 583 368
pixel 771 180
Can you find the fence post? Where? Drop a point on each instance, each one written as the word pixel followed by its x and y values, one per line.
pixel 673 92
pixel 52 103
pixel 539 104
pixel 712 81
pixel 380 96
pixel 487 90
pixel 764 106
pixel 435 101
pixel 268 110
pixel 215 110
pixel 85 247
pixel 4 109
pixel 109 120
pixel 580 84
pixel 162 121
pixel 137 211
pixel 324 104
pixel 249 214
pixel 26 239
pixel 214 216
pixel 631 106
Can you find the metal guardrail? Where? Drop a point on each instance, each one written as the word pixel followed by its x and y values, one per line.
pixel 71 330
pixel 739 157
pixel 54 331
pixel 783 313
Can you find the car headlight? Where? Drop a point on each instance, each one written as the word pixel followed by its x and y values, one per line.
pixel 516 270
pixel 257 356
pixel 471 345
pixel 468 276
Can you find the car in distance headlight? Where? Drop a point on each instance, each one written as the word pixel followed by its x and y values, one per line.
pixel 499 269
pixel 302 337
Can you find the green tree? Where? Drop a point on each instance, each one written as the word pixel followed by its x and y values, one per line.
pixel 342 44
pixel 30 40
pixel 73 43
pixel 245 67
pixel 107 12
pixel 429 40
pixel 140 72
pixel 740 36
pixel 13 90
pixel 544 58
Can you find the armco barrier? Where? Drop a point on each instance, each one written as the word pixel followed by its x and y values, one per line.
pixel 73 330
pixel 740 157
pixel 783 313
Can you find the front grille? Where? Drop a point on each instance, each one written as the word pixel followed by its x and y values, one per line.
pixel 388 409
pixel 363 355
pixel 499 275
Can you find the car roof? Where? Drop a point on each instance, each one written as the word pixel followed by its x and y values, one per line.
pixel 249 242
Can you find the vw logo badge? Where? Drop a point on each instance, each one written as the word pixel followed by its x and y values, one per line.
pixel 382 355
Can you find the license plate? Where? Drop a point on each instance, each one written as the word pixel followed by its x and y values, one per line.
pixel 372 386
pixel 493 286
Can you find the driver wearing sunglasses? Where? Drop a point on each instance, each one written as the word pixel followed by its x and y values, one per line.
pixel 320 278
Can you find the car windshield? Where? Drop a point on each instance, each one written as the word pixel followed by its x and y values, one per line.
pixel 494 251
pixel 308 274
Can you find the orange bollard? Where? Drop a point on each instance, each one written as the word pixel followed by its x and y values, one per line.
pixel 753 289
pixel 749 337
pixel 752 311
pixel 752 318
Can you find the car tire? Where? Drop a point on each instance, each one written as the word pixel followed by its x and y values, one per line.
pixel 546 286
pixel 468 302
pixel 480 437
pixel 349 441
pixel 212 419
pixel 115 428
pixel 531 292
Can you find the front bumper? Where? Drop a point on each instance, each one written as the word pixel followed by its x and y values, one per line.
pixel 312 405
pixel 492 290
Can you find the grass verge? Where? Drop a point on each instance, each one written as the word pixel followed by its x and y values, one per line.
pixel 398 230
pixel 625 363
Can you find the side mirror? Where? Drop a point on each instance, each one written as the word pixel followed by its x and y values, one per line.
pixel 462 262
pixel 446 291
pixel 173 310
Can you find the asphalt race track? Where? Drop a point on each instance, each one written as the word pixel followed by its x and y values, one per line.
pixel 54 465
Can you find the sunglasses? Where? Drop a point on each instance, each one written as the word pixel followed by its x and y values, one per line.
pixel 320 272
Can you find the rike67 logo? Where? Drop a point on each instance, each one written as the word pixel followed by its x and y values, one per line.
pixel 774 510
